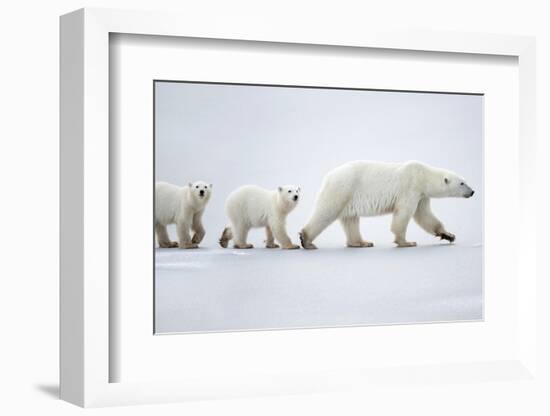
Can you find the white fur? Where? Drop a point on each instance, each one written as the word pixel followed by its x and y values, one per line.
pixel 367 188
pixel 184 207
pixel 253 207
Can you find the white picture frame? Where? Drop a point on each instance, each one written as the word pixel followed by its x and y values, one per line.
pixel 85 265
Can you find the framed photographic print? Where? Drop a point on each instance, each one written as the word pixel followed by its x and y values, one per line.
pixel 259 212
pixel 274 135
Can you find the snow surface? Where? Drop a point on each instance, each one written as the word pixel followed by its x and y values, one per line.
pixel 212 289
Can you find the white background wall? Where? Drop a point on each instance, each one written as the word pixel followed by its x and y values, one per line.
pixel 29 208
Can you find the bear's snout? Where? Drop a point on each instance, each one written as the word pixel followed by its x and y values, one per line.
pixel 201 192
pixel 471 194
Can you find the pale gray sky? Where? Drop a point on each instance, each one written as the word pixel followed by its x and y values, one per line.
pixel 232 135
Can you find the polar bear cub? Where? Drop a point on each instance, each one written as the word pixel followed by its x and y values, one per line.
pixel 184 207
pixel 253 207
pixel 366 188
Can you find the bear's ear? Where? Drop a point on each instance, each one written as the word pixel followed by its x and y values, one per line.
pixel 299 189
pixel 210 185
pixel 447 181
pixel 280 188
pixel 190 185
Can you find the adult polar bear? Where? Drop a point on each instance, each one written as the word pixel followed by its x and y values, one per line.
pixel 367 188
pixel 184 207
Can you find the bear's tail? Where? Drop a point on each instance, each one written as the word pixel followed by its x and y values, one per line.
pixel 225 237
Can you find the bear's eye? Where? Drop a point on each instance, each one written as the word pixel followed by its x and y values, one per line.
pixel 289 191
pixel 461 183
pixel 197 186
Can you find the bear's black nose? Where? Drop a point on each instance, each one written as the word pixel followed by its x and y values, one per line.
pixel 295 197
pixel 472 194
pixel 201 192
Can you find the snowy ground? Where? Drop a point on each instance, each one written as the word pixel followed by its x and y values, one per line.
pixel 212 289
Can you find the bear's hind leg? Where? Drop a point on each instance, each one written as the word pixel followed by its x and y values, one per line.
pixel 327 211
pixel 353 233
pixel 163 237
pixel 305 240
pixel 270 240
pixel 183 235
pixel 401 217
pixel 225 237
pixel 240 235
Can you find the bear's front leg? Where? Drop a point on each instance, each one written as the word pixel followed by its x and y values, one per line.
pixel 198 228
pixel 185 242
pixel 400 222
pixel 425 218
pixel 279 231
pixel 445 235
